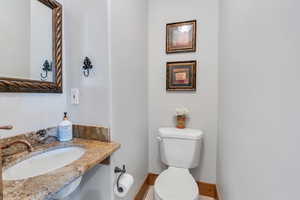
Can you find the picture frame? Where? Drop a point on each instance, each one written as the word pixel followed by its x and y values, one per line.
pixel 181 76
pixel 181 37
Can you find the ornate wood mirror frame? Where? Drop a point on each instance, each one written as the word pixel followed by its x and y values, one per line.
pixel 34 86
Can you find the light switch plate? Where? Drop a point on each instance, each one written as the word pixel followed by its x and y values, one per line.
pixel 74 96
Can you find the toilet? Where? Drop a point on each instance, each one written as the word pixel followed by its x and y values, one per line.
pixel 180 151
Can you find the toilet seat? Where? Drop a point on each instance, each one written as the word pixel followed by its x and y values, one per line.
pixel 176 184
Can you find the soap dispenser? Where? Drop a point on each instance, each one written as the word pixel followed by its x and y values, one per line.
pixel 65 129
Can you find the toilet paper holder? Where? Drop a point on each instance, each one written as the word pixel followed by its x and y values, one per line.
pixel 121 171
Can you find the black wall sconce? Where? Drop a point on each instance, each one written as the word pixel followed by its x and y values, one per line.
pixel 87 66
pixel 47 67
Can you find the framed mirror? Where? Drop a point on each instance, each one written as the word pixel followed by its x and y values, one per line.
pixel 31 46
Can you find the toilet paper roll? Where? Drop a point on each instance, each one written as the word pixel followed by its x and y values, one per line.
pixel 125 182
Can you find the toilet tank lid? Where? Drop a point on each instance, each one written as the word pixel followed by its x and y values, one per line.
pixel 188 134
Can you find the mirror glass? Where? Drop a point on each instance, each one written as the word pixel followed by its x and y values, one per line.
pixel 26 40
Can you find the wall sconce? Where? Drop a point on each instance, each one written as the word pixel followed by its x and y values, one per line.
pixel 47 67
pixel 87 66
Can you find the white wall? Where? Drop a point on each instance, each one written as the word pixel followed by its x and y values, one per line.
pixel 115 95
pixel 203 103
pixel 14 39
pixel 40 39
pixel 28 112
pixel 259 100
pixel 87 35
pixel 128 57
pixel 26 38
pixel 113 34
pixel 86 31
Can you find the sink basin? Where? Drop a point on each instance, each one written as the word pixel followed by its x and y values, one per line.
pixel 43 163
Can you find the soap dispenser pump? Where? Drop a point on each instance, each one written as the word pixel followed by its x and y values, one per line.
pixel 65 130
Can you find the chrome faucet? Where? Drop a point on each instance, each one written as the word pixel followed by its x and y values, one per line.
pixel 29 146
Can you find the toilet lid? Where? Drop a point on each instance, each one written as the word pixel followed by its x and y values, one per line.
pixel 176 184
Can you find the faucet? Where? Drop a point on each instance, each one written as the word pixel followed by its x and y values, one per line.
pixel 9 127
pixel 29 146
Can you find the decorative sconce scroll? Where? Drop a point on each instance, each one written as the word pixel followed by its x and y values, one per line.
pixel 87 66
pixel 47 67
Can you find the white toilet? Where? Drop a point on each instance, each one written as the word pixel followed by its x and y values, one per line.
pixel 180 150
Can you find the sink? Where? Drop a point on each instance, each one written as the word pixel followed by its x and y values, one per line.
pixel 43 163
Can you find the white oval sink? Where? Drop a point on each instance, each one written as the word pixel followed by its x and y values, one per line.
pixel 43 163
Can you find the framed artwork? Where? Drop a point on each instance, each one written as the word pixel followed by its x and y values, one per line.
pixel 181 37
pixel 181 76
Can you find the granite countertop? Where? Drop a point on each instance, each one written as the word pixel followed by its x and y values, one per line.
pixel 43 187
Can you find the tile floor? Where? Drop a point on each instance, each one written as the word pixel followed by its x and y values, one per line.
pixel 150 196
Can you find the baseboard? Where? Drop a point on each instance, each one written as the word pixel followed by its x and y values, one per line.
pixel 219 196
pixel 152 178
pixel 208 189
pixel 205 189
pixel 143 190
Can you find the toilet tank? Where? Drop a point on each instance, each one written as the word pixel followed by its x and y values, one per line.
pixel 180 147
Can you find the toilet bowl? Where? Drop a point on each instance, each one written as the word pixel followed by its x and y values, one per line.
pixel 180 150
pixel 175 184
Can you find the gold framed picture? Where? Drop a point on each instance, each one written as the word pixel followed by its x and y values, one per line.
pixel 181 76
pixel 181 37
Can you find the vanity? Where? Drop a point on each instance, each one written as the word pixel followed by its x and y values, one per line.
pixel 50 170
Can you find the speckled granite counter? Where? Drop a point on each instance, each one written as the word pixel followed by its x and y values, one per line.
pixel 44 186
